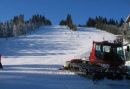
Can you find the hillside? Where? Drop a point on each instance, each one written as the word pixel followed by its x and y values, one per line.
pixel 32 61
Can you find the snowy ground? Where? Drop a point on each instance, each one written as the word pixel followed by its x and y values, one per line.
pixel 32 61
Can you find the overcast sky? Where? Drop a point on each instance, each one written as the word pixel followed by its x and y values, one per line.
pixel 56 10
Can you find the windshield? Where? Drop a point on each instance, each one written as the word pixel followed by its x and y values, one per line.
pixel 114 50
pixel 120 51
pixel 101 50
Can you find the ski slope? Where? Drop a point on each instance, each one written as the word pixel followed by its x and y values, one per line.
pixel 32 61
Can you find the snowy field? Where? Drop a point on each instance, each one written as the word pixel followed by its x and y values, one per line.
pixel 32 61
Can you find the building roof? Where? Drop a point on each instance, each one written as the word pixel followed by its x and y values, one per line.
pixel 128 19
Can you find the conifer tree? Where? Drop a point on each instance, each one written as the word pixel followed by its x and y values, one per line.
pixel 90 22
pixel 121 22
pixel 62 22
pixel 69 23
pixel 69 20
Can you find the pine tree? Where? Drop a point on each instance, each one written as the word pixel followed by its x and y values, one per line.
pixel 47 22
pixel 69 20
pixel 62 22
pixel 90 22
pixel 121 22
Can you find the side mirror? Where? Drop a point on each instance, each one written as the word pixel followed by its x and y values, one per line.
pixel 128 49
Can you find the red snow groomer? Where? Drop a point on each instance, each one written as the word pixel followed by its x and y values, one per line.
pixel 111 54
pixel 107 59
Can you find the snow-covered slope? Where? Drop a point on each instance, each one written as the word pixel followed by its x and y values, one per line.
pixel 51 44
pixel 32 61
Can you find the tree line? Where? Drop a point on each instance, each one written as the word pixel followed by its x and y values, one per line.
pixel 98 20
pixel 18 26
pixel 103 23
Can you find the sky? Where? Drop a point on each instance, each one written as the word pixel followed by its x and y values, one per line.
pixel 55 10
